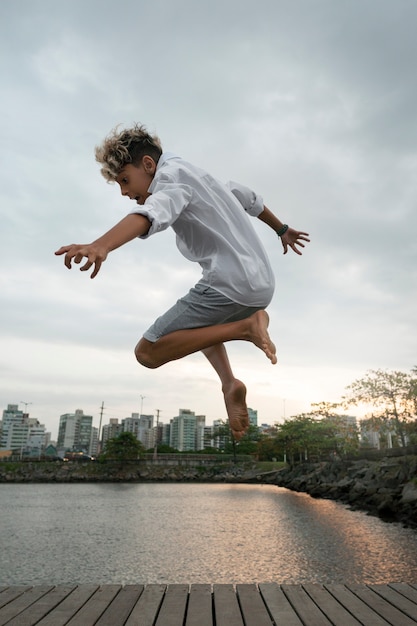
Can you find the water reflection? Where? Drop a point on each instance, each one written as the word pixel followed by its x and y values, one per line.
pixel 150 533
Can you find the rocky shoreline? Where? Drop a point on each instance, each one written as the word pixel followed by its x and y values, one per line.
pixel 386 488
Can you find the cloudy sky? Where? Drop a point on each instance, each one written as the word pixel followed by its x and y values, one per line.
pixel 312 103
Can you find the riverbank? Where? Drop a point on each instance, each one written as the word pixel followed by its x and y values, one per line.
pixel 80 472
pixel 387 488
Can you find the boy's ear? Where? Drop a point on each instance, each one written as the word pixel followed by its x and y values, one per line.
pixel 149 164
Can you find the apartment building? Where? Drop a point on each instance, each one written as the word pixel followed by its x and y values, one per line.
pixel 187 431
pixel 75 432
pixel 21 433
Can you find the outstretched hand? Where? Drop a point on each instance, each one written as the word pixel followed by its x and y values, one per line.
pixel 293 238
pixel 94 254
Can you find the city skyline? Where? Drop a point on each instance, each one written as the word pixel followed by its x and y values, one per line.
pixel 99 422
pixel 309 104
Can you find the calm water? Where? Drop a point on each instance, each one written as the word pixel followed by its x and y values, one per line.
pixel 181 533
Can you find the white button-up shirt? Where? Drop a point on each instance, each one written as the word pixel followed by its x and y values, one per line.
pixel 211 228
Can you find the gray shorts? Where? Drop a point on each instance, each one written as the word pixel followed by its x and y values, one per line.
pixel 202 306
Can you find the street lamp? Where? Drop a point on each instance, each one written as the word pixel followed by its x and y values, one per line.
pixel 26 405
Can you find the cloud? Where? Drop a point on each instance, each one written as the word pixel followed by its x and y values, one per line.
pixel 310 104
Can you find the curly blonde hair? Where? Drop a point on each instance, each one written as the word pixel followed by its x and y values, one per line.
pixel 126 146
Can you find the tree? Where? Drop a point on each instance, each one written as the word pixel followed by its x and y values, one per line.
pixel 246 445
pixel 305 437
pixel 325 409
pixel 123 448
pixel 413 389
pixel 344 429
pixel 383 427
pixel 393 392
pixel 268 447
pixel 163 448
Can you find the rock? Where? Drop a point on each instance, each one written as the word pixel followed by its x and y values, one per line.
pixel 387 488
pixel 409 493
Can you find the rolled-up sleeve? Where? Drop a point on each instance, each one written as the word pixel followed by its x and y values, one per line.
pixel 251 201
pixel 164 205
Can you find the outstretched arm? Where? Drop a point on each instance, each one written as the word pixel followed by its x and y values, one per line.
pixel 289 237
pixel 131 226
pixel 253 204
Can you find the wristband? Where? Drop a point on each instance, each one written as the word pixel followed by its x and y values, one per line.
pixel 283 230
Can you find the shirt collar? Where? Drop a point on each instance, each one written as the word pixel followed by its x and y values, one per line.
pixel 165 156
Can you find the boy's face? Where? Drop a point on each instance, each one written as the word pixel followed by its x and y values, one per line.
pixel 134 180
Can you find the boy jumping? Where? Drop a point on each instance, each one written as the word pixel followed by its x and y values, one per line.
pixel 212 228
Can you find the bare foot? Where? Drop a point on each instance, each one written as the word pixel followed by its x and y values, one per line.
pixel 258 334
pixel 235 400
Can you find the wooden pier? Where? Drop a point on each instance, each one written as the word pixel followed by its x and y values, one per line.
pixel 266 604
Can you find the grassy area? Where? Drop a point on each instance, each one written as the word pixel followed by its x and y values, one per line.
pixel 270 466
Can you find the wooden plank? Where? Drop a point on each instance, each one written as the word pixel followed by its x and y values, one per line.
pixel 278 605
pixel 42 606
pixel 173 607
pixel 268 604
pixel 306 609
pixel 21 602
pixel 146 608
pixel 252 606
pixel 396 599
pixel 226 607
pixel 69 606
pixel 381 606
pixel 10 593
pixel 200 606
pixel 118 611
pixel 406 590
pixel 334 611
pixel 95 606
pixel 355 605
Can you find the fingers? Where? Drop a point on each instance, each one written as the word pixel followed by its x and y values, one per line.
pixel 76 253
pixel 73 253
pixel 70 252
pixel 67 260
pixel 90 263
pixel 96 269
pixel 63 249
pixel 293 245
pixel 295 238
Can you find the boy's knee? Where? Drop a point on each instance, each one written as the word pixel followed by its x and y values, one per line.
pixel 143 354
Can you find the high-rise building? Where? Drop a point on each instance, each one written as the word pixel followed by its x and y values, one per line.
pixel 110 430
pixel 131 424
pixel 21 433
pixel 166 434
pixel 218 440
pixel 253 417
pixel 36 441
pixel 11 416
pixel 94 447
pixel 199 432
pixel 187 431
pixel 75 432
pixel 141 426
pixel 146 432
